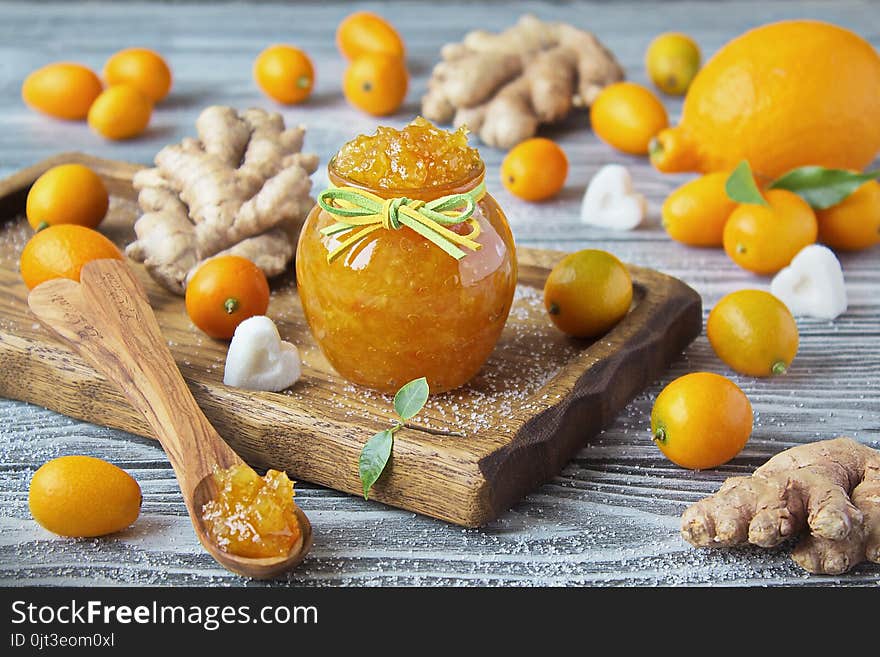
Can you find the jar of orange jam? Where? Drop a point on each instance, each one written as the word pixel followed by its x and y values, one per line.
pixel 394 306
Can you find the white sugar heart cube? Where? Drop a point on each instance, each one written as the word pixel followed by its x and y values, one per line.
pixel 259 360
pixel 610 201
pixel 812 285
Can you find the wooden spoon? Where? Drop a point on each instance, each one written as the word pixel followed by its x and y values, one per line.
pixel 108 320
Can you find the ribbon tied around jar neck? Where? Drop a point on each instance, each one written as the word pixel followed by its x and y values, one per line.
pixel 364 213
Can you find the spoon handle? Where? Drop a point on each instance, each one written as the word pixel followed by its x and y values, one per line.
pixel 108 319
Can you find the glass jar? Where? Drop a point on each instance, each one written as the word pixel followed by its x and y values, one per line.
pixel 396 307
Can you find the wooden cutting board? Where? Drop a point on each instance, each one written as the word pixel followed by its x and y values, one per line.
pixel 469 456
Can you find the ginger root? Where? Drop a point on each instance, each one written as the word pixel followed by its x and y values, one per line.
pixel 503 86
pixel 241 188
pixel 831 487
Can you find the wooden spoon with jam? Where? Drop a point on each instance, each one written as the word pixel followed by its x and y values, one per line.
pixel 108 320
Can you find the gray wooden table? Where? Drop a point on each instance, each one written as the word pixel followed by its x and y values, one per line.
pixel 611 517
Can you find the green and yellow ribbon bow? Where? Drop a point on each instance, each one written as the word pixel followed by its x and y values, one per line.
pixel 369 212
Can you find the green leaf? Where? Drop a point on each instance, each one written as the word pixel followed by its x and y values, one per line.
pixel 821 187
pixel 373 458
pixel 408 401
pixel 411 398
pixel 741 187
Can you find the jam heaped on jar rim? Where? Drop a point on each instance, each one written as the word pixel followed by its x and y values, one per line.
pixel 397 304
pixel 419 156
pixel 252 516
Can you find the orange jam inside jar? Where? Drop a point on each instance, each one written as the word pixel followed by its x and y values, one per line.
pixel 252 516
pixel 394 306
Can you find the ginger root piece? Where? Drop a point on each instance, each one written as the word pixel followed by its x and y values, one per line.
pixel 503 86
pixel 241 188
pixel 831 487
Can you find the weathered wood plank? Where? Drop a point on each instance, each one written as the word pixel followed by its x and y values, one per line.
pixel 610 517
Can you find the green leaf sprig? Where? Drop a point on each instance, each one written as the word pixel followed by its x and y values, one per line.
pixel 741 186
pixel 820 187
pixel 408 401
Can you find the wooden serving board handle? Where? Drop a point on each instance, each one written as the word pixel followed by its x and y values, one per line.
pixel 108 320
